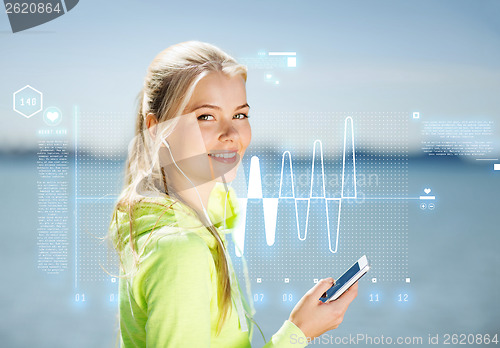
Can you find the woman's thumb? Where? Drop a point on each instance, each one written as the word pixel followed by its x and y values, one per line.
pixel 321 287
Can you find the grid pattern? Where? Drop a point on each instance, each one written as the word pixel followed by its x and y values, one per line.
pixel 375 224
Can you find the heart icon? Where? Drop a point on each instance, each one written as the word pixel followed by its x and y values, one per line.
pixel 427 191
pixel 52 115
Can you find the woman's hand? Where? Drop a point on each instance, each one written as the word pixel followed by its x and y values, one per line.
pixel 314 317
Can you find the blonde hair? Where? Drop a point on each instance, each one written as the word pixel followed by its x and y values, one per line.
pixel 169 84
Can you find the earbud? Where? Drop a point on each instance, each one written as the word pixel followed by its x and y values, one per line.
pixel 164 141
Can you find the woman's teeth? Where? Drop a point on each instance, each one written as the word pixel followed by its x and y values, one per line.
pixel 223 155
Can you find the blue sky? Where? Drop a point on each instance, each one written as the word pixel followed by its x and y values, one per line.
pixel 441 58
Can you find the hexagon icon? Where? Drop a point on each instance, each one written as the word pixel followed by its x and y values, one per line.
pixel 28 101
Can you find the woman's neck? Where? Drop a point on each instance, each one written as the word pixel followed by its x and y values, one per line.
pixel 196 198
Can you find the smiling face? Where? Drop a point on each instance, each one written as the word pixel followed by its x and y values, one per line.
pixel 210 138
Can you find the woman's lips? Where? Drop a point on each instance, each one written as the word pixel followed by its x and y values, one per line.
pixel 224 156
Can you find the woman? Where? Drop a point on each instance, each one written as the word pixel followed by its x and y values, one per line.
pixel 177 284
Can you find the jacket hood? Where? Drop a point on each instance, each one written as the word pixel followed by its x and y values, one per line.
pixel 162 210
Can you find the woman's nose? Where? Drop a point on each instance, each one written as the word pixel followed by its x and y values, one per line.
pixel 228 132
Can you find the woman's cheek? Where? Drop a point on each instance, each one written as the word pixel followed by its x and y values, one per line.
pixel 209 139
pixel 248 136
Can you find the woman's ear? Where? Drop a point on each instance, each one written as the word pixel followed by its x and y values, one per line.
pixel 151 123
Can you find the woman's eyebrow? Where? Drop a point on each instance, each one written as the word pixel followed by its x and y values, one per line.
pixel 242 106
pixel 209 106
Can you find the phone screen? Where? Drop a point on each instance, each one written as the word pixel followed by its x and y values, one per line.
pixel 351 272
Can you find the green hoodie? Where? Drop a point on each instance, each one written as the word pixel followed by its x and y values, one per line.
pixel 170 299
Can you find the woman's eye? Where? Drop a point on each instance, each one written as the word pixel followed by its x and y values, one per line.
pixel 205 118
pixel 241 116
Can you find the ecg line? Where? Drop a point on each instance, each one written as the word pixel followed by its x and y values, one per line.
pixel 323 191
pixel 271 204
pixel 343 158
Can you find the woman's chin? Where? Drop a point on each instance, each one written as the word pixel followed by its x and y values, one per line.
pixel 228 177
pixel 225 172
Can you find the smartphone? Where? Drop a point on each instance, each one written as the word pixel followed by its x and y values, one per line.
pixel 351 276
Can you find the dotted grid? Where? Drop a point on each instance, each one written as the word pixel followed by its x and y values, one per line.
pixel 377 228
pixel 100 169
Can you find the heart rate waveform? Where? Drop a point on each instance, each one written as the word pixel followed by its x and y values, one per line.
pixel 316 192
